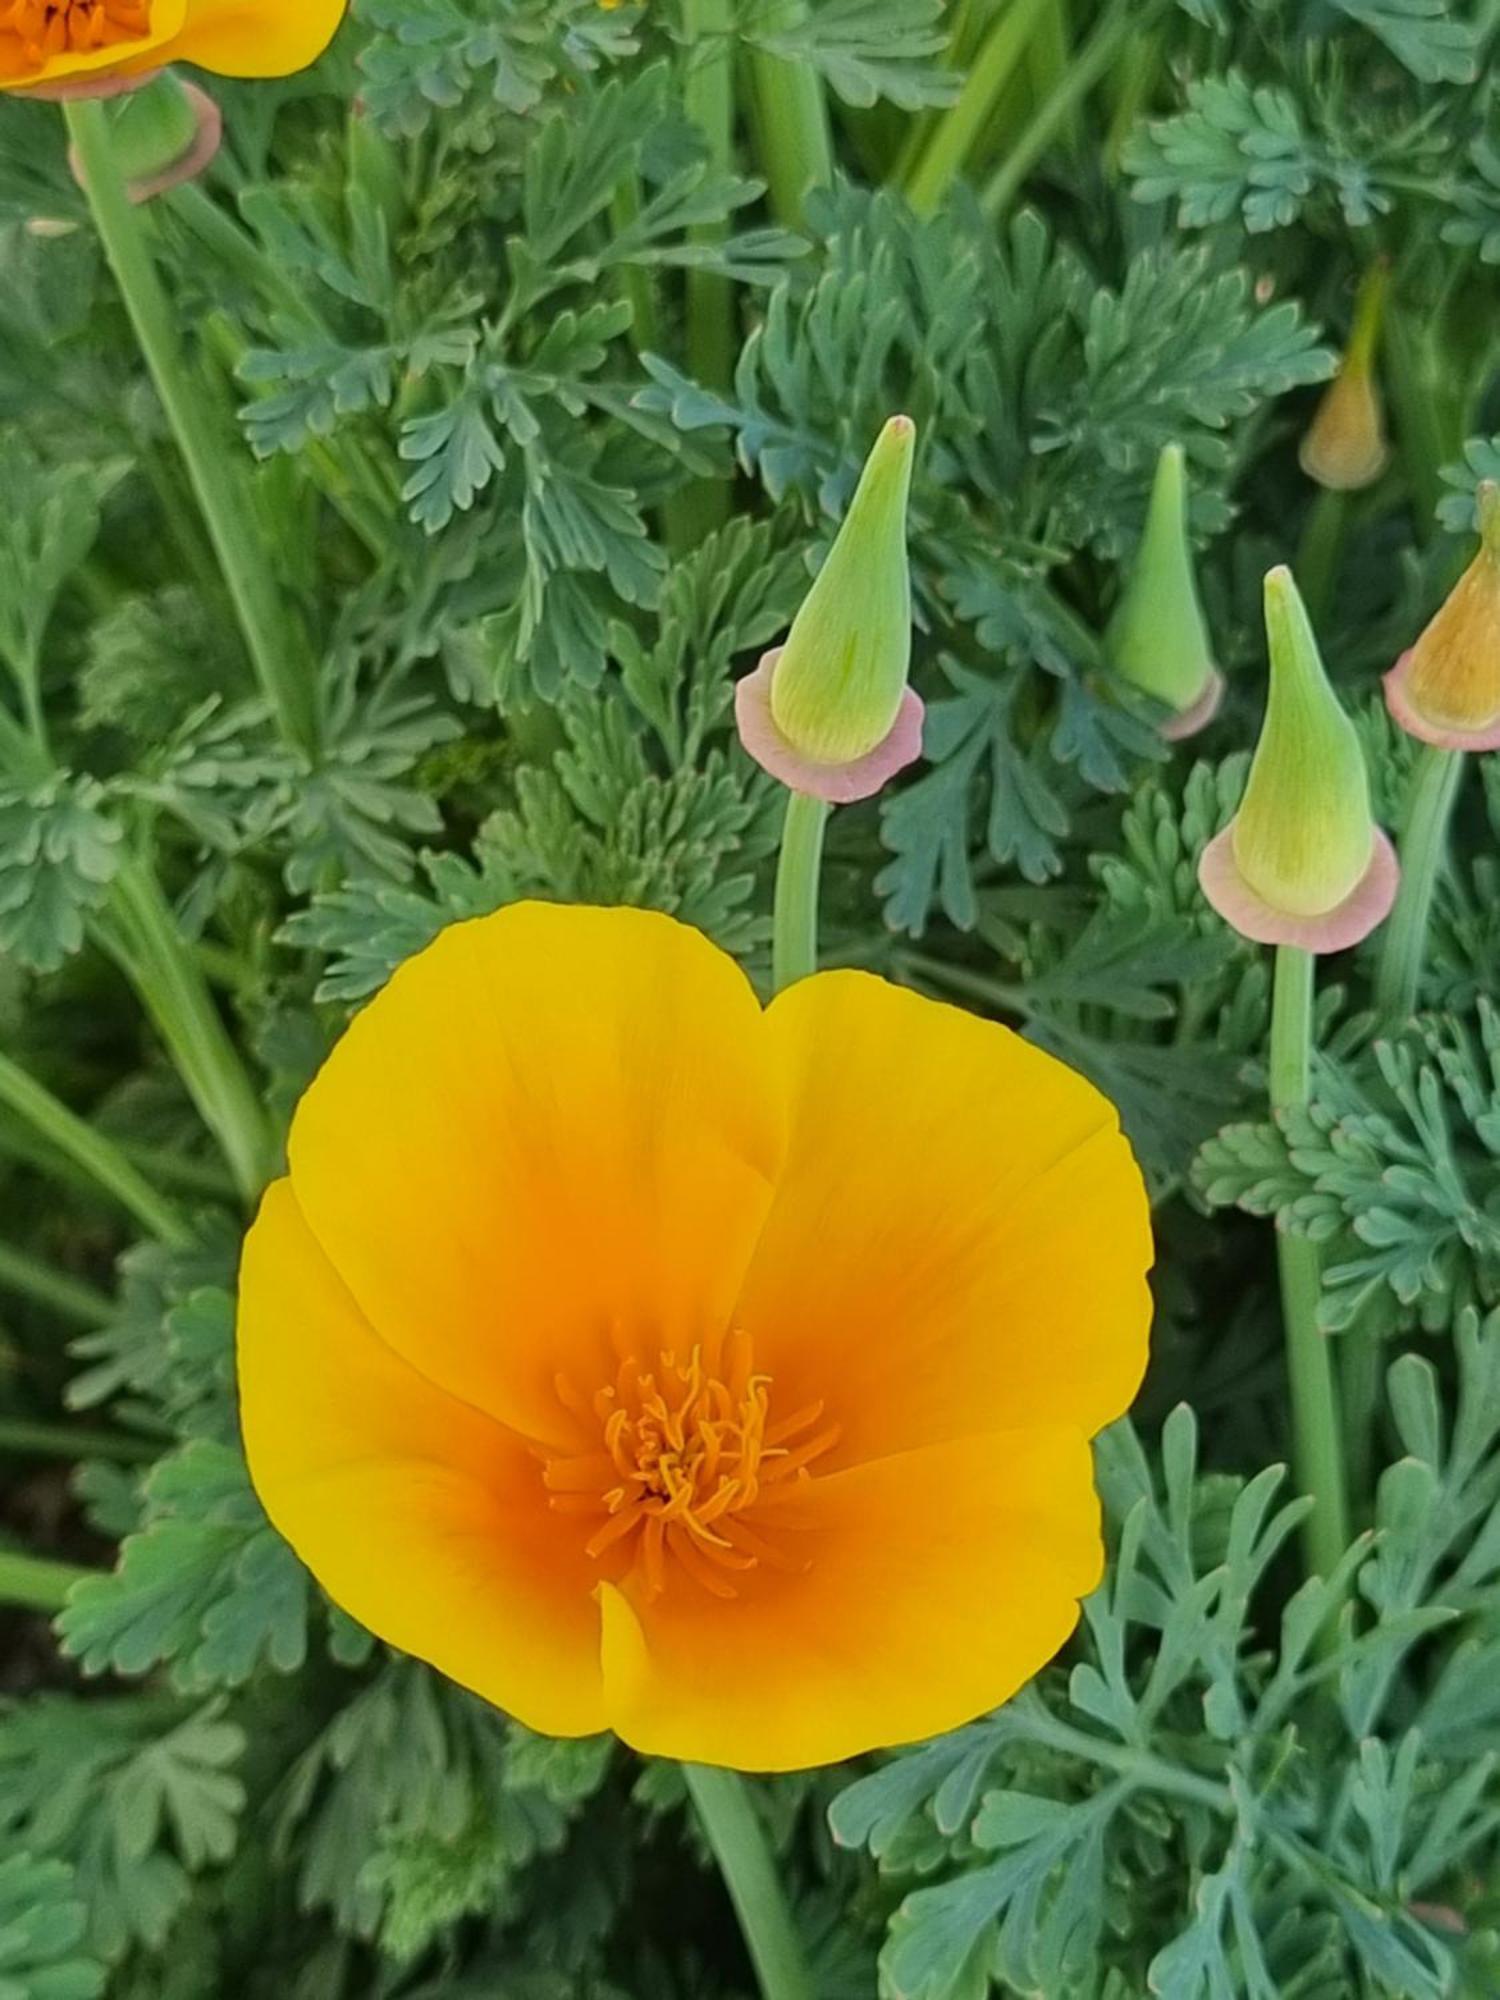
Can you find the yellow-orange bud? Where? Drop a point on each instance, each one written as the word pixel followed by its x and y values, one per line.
pixel 1446 689
pixel 1346 446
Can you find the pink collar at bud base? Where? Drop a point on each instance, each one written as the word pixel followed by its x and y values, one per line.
pixel 1368 903
pixel 837 784
pixel 1444 736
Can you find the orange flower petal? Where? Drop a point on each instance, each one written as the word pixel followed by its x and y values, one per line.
pixel 20 71
pixel 938 1582
pixel 256 37
pixel 423 1519
pixel 960 1234
pixel 548 1143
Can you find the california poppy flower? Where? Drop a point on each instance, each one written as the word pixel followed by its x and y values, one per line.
pixel 48 44
pixel 650 1361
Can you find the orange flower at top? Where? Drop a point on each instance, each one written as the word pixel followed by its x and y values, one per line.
pixel 49 44
pixel 645 1360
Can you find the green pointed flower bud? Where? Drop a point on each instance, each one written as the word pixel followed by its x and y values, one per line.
pixel 1158 639
pixel 1303 861
pixel 838 684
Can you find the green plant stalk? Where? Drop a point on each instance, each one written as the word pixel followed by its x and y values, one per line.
pixel 1424 846
pixel 791 116
pixel 28 1278
pixel 21 1439
pixel 708 99
pixel 31 1583
pixel 794 930
pixel 1418 394
pixel 959 128
pixel 1048 56
pixel 103 1162
pixel 281 666
pixel 1317 1440
pixel 1114 27
pixel 143 937
pixel 1318 553
pixel 739 1845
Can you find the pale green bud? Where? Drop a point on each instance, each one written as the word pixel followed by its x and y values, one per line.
pixel 1158 639
pixel 838 684
pixel 1304 835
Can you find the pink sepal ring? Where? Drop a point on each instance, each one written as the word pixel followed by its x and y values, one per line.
pixel 837 784
pixel 1442 737
pixel 1197 715
pixel 104 83
pixel 200 153
pixel 1366 905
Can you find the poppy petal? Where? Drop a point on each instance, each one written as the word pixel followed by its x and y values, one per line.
pixel 549 1143
pixel 149 51
pixel 423 1519
pixel 937 1583
pixel 960 1234
pixel 252 38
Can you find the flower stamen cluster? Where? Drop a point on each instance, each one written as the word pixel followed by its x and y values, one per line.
pixel 675 1457
pixel 35 32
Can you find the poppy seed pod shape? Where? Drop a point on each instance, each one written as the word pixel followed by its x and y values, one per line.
pixel 1158 639
pixel 1446 689
pixel 95 47
pixel 1302 862
pixel 829 712
pixel 164 132
pixel 1345 448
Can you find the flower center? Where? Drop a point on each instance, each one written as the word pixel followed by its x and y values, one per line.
pixel 46 29
pixel 678 1458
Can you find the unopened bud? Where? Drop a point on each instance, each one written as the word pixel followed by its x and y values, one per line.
pixel 1158 639
pixel 1446 689
pixel 164 132
pixel 1346 446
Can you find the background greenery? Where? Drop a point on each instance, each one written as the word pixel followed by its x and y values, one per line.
pixel 553 414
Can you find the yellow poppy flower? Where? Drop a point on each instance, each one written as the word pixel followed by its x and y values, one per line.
pixel 646 1360
pixel 50 43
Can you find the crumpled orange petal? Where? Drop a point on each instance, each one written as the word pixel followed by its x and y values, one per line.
pixel 723 1376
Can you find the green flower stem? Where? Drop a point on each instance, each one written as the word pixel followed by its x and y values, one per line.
pixel 739 1845
pixel 142 935
pixel 794 934
pixel 791 114
pixel 103 1162
pixel 708 99
pixel 19 1438
pixel 281 666
pixel 1424 844
pixel 1119 21
pixel 1317 1440
pixel 1322 544
pixel 962 124
pixel 34 1584
pixel 28 1278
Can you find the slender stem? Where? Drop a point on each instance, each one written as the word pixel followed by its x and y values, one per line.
pixel 68 1297
pixel 1318 553
pixel 1113 28
pixel 99 1157
pixel 143 936
pixel 281 666
pixel 739 1845
pixel 1424 844
pixel 1419 395
pixel 21 1438
pixel 1048 56
pixel 791 114
pixel 960 126
pixel 794 936
pixel 1317 1441
pixel 34 1584
pixel 708 99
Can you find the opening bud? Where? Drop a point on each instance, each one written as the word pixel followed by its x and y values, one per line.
pixel 1346 448
pixel 1446 689
pixel 1302 862
pixel 1158 638
pixel 830 712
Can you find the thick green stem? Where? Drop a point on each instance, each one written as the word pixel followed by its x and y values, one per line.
pixel 794 936
pixel 143 936
pixel 961 125
pixel 1318 554
pixel 1317 1440
pixel 103 1162
pixel 20 1438
pixel 33 1584
pixel 1424 844
pixel 791 114
pixel 739 1845
pixel 69 1298
pixel 282 667
pixel 1119 21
